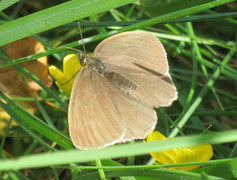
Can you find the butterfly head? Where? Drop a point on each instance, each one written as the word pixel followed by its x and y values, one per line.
pixel 82 58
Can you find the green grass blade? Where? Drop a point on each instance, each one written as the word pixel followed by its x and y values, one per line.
pixel 158 8
pixel 33 122
pixel 142 24
pixel 6 3
pixel 121 150
pixel 199 99
pixel 53 17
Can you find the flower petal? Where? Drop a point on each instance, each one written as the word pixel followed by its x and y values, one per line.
pixel 57 74
pixel 164 157
pixel 194 154
pixel 65 87
pixel 65 79
pixel 155 136
pixel 71 65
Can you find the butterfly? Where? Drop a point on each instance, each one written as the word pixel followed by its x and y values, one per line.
pixel 114 94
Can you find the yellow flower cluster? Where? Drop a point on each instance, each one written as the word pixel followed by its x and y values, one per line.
pixel 181 155
pixel 64 79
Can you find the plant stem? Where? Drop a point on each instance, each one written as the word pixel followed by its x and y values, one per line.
pixel 101 171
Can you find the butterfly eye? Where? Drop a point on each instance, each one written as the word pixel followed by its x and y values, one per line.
pixel 82 58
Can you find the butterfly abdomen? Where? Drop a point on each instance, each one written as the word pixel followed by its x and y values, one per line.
pixel 120 82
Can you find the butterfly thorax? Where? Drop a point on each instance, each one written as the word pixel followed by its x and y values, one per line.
pixel 95 64
pixel 120 82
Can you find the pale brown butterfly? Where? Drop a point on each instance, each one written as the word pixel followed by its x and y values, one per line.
pixel 113 95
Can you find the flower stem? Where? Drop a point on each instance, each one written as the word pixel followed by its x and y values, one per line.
pixel 100 170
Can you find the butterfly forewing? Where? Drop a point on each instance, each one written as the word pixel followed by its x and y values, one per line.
pixel 125 50
pixel 140 57
pixel 93 120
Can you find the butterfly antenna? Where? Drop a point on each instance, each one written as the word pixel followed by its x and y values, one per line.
pixel 70 49
pixel 79 26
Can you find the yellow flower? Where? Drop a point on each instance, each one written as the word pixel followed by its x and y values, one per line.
pixel 64 79
pixel 181 155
